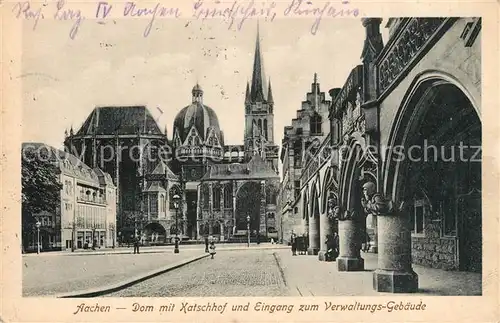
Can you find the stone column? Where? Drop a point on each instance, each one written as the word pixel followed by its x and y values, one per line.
pixel 235 183
pixel 198 211
pixel 394 273
pixel 210 208
pixel 325 230
pixel 262 222
pixel 184 212
pixel 349 259
pixel 374 248
pixel 313 235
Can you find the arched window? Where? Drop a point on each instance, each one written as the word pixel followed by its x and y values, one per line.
pixel 260 126
pixel 228 196
pixel 205 196
pixel 265 129
pixel 162 203
pixel 153 203
pixel 316 124
pixel 216 191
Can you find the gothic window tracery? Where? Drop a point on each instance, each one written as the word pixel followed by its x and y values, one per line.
pixel 216 194
pixel 315 124
pixel 228 196
pixel 212 139
pixel 193 138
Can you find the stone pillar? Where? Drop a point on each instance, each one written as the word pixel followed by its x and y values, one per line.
pixel 374 248
pixel 235 183
pixel 184 212
pixel 324 231
pixel 210 208
pixel 262 222
pixel 349 259
pixel 313 235
pixel 198 211
pixel 394 272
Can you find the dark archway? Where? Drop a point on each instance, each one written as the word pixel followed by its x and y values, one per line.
pixel 248 203
pixel 155 233
pixel 439 176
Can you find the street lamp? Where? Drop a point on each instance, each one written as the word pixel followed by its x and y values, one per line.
pixel 38 224
pixel 176 199
pixel 248 230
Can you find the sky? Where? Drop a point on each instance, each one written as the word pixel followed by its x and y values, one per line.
pixel 113 64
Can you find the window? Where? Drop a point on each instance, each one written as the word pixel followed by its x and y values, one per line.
pixel 315 124
pixel 162 203
pixel 205 196
pixel 153 203
pixel 216 190
pixel 270 216
pixel 417 218
pixel 265 128
pixel 228 196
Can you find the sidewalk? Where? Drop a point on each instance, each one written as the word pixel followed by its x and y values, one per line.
pixel 43 276
pixel 154 249
pixel 307 276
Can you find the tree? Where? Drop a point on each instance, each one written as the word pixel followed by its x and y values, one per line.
pixel 40 186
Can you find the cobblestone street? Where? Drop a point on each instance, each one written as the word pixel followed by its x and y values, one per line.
pixel 231 273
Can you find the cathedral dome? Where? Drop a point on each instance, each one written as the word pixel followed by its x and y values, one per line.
pixel 198 116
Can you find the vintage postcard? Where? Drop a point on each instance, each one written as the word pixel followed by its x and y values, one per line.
pixel 249 161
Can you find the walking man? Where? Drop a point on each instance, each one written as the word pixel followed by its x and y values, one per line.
pixel 136 245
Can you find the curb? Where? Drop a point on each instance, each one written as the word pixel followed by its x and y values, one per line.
pixel 129 282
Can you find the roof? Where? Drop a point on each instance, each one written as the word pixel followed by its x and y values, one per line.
pixel 256 168
pixel 119 120
pixel 69 164
pixel 163 169
pixel 199 115
pixel 155 187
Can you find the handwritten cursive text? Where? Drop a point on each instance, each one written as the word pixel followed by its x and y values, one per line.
pixel 132 10
pixel 303 8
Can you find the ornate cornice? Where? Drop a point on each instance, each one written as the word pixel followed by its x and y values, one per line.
pixel 413 38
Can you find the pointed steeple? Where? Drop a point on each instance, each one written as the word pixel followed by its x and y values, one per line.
pixel 71 131
pixel 165 131
pixel 247 94
pixel 258 89
pixel 270 98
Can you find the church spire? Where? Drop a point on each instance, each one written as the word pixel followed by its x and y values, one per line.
pixel 258 89
pixel 270 98
pixel 247 94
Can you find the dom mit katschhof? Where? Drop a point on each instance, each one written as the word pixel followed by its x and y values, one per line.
pixel 422 85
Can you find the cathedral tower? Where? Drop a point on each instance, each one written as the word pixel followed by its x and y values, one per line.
pixel 259 117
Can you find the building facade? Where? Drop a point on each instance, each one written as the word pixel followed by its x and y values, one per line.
pixel 86 216
pixel 405 153
pixel 149 169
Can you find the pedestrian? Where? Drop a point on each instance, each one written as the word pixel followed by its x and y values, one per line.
pixel 136 245
pixel 212 249
pixel 294 244
pixel 206 244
